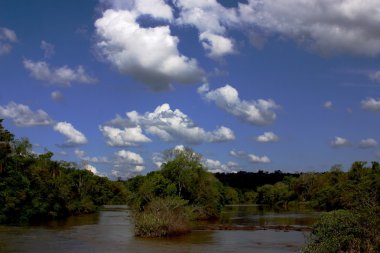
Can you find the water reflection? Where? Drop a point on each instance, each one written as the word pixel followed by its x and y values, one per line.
pixel 112 231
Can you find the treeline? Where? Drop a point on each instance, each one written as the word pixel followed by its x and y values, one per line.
pixel 35 187
pixel 330 190
pixel 352 199
pixel 249 181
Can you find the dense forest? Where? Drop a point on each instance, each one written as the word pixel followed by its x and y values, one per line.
pixel 34 187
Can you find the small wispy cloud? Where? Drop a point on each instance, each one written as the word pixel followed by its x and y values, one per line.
pixel 63 76
pixel 48 49
pixel 328 104
pixel 368 143
pixel 7 38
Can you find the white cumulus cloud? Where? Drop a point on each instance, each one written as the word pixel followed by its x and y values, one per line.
pixel 155 8
pixel 127 164
pixel 91 168
pixel 346 26
pixel 371 104
pixel 260 112
pixel 64 76
pixel 267 137
pixel 339 142
pixel 258 159
pixel 328 27
pixel 215 166
pixel 216 45
pixel 124 137
pixel 174 125
pixel 147 54
pixel 23 116
pixel 74 137
pixel 212 21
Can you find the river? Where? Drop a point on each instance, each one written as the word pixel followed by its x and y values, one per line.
pixel 111 231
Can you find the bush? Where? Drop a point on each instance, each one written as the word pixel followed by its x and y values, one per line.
pixel 163 217
pixel 340 231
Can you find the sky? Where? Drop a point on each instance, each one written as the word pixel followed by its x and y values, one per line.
pixel 289 85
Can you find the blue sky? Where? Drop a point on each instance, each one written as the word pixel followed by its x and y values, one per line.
pixel 291 85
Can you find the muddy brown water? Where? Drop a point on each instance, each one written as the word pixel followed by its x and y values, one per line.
pixel 111 230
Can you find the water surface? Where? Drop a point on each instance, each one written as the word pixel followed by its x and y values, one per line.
pixel 112 231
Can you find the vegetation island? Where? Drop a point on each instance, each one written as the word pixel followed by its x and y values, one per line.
pixel 167 202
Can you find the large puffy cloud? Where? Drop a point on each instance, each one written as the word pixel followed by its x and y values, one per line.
pixel 7 38
pixel 148 54
pixel 74 137
pixel 260 112
pixel 212 21
pixel 371 104
pixel 346 26
pixel 330 27
pixel 172 126
pixel 64 76
pixel 23 116
pixel 127 163
pixel 124 137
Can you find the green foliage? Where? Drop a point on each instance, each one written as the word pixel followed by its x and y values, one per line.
pixel 35 187
pixel 182 178
pixel 163 217
pixel 344 231
pixel 250 197
pixel 231 196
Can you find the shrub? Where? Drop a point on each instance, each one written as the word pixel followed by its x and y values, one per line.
pixel 339 231
pixel 163 217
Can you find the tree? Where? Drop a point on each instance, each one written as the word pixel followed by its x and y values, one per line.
pixel 6 139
